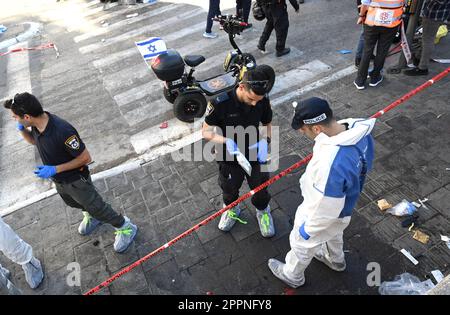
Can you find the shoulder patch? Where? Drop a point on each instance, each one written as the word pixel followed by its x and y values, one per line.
pixel 222 98
pixel 73 142
pixel 209 109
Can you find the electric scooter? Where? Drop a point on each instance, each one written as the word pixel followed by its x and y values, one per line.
pixel 189 95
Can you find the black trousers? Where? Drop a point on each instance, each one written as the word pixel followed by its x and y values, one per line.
pixel 82 194
pixel 276 18
pixel 382 37
pixel 245 6
pixel 214 10
pixel 231 177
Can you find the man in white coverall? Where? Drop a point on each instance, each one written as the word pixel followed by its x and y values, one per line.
pixel 342 155
pixel 20 252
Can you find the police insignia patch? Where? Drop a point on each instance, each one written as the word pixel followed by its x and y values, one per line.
pixel 73 143
pixel 209 109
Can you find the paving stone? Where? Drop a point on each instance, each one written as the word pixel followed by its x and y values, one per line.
pixel 257 250
pixel 57 283
pixel 150 190
pixel 59 256
pixel 389 229
pixel 171 181
pixel 268 283
pixel 206 170
pixel 138 213
pixel 437 257
pixel 211 187
pixel 363 201
pixel 135 174
pixel 122 189
pixel 283 224
pixel 440 200
pixel 188 251
pixel 116 180
pixel 155 261
pixel 168 279
pixel 209 231
pixel 153 165
pixel 157 202
pixel 289 200
pixel 161 173
pixel 358 226
pixel 419 182
pixel 242 231
pixel 238 277
pixel 139 182
pixel 131 283
pixel 372 213
pixel 93 275
pixel 132 198
pixel 55 234
pixel 222 251
pixel 178 194
pixel 89 253
pixel 117 261
pixel 74 215
pixel 205 277
pixel 75 238
pixel 168 212
pixel 376 188
pixel 22 217
pixel 192 177
pixel 193 211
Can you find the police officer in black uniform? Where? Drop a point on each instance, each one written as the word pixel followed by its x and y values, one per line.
pixel 65 160
pixel 277 17
pixel 232 121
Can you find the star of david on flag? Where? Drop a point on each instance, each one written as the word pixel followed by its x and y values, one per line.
pixel 151 47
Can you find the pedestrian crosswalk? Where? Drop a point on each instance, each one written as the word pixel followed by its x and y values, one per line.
pixel 106 39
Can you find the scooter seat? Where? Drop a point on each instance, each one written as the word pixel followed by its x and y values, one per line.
pixel 194 60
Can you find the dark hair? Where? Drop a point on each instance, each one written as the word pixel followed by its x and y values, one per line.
pixel 257 81
pixel 24 104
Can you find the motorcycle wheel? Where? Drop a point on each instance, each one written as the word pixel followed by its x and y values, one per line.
pixel 189 106
pixel 169 96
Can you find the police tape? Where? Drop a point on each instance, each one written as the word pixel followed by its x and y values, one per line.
pixel 40 47
pixel 254 191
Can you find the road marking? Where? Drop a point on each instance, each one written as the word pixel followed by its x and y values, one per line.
pixel 125 22
pixel 143 30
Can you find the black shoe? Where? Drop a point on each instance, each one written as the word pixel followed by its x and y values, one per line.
pixel 357 62
pixel 416 71
pixel 359 84
pixel 262 49
pixel 283 52
pixel 374 81
pixel 301 1
pixel 372 57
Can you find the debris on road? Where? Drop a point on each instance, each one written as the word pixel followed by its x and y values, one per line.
pixel 345 51
pixel 164 125
pixel 132 15
pixel 421 237
pixel 403 208
pixel 3 28
pixel 438 276
pixel 406 284
pixel 383 204
pixel 409 256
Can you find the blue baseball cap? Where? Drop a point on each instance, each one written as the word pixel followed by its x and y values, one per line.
pixel 311 111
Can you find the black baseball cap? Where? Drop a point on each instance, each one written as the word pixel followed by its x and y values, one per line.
pixel 311 111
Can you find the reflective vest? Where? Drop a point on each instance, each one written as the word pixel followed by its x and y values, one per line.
pixel 387 13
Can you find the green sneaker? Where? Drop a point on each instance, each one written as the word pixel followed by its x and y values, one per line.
pixel 265 222
pixel 229 218
pixel 88 224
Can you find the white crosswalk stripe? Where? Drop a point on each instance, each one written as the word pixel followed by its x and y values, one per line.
pixel 149 29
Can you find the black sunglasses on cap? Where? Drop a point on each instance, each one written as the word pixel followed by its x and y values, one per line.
pixel 258 84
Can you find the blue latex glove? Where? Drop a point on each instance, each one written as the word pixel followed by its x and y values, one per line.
pixel 20 127
pixel 45 171
pixel 232 147
pixel 263 148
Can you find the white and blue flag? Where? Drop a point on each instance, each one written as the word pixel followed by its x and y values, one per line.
pixel 151 47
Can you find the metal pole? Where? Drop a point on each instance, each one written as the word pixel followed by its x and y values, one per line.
pixel 414 11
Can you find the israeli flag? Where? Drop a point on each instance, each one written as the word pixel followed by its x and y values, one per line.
pixel 151 47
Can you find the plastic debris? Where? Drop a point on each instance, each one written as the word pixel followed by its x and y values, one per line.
pixel 409 256
pixel 421 237
pixel 3 28
pixel 106 24
pixel 345 51
pixel 446 239
pixel 403 208
pixel 406 284
pixel 410 220
pixel 164 125
pixel 383 204
pixel 132 15
pixel 103 40
pixel 442 32
pixel 438 276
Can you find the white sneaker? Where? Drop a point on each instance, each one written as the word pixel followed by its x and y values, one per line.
pixel 276 267
pixel 209 35
pixel 124 236
pixel 229 218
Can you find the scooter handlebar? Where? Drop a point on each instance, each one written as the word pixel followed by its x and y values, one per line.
pixel 231 23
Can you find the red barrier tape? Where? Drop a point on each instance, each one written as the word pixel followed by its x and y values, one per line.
pixel 252 192
pixel 44 46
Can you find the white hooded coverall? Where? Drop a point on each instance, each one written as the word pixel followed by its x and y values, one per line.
pixel 330 186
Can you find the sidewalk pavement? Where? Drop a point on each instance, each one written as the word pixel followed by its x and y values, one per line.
pixel 165 198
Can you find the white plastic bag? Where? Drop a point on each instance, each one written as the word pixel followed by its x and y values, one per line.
pixel 405 284
pixel 403 208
